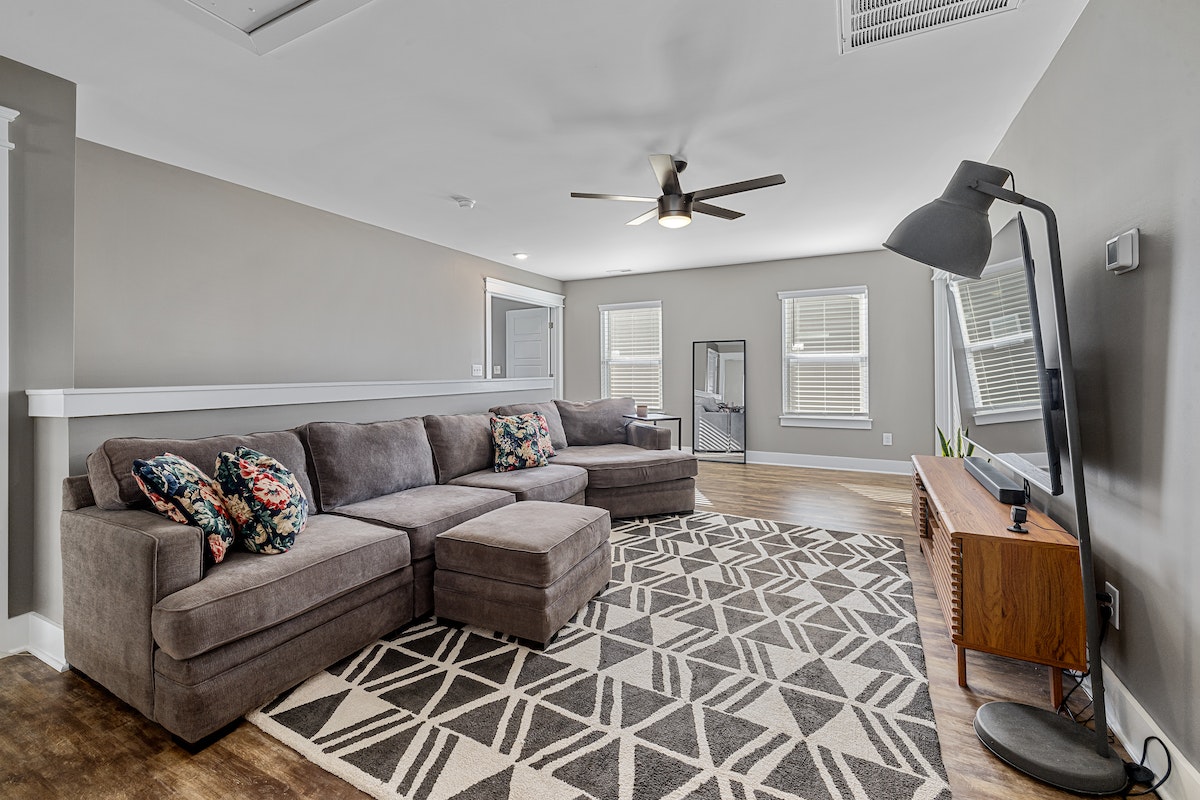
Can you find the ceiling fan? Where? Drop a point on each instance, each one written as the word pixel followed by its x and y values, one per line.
pixel 675 207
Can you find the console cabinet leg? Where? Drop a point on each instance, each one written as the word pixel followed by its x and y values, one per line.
pixel 961 652
pixel 1056 689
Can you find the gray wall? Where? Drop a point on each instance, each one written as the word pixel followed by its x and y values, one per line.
pixel 740 302
pixel 186 279
pixel 42 198
pixel 1109 138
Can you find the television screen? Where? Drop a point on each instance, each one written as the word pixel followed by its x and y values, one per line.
pixel 1009 397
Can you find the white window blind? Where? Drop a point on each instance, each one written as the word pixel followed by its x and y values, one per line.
pixel 631 352
pixel 997 334
pixel 825 352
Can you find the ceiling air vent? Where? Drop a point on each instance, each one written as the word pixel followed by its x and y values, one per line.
pixel 264 25
pixel 867 22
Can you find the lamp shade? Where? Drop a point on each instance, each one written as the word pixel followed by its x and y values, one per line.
pixel 953 232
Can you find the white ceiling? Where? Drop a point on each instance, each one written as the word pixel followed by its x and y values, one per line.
pixel 383 114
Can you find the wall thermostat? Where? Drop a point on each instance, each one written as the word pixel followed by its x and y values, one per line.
pixel 1121 253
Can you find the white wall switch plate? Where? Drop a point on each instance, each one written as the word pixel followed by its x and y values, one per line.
pixel 477 370
pixel 887 438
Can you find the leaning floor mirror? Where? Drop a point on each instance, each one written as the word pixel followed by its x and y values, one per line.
pixel 719 400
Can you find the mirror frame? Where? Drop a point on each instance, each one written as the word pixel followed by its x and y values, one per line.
pixel 715 455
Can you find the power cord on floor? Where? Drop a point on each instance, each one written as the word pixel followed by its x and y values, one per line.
pixel 1140 773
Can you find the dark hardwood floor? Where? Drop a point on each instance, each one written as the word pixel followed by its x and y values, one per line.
pixel 63 736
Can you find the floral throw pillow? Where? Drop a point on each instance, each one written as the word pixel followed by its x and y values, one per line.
pixel 265 499
pixel 515 442
pixel 543 432
pixel 181 492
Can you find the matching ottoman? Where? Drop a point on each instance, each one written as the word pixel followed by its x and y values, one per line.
pixel 524 569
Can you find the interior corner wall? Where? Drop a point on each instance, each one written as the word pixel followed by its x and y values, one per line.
pixel 41 259
pixel 741 302
pixel 1109 138
pixel 183 279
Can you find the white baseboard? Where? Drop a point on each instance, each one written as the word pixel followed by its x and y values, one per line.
pixel 844 463
pixel 34 634
pixel 1132 724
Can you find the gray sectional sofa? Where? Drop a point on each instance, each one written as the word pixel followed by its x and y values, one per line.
pixel 194 650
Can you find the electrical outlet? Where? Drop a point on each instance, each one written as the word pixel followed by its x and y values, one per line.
pixel 477 370
pixel 496 369
pixel 887 439
pixel 1115 619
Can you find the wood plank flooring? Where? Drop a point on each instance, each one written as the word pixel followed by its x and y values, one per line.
pixel 63 736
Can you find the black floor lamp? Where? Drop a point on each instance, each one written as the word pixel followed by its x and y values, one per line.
pixel 952 233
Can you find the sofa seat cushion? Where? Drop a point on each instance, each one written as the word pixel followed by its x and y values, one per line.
pixel 248 593
pixel 612 465
pixel 426 511
pixel 553 483
pixel 530 544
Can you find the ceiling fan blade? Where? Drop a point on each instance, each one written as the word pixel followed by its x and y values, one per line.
pixel 716 211
pixel 740 186
pixel 591 196
pixel 664 169
pixel 649 215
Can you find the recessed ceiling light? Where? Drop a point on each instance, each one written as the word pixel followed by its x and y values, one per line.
pixel 617 271
pixel 463 201
pixel 520 256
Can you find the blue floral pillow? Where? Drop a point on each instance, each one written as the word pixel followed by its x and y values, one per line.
pixel 181 492
pixel 543 432
pixel 516 442
pixel 265 499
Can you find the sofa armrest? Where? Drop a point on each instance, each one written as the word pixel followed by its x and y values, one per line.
pixel 648 437
pixel 116 566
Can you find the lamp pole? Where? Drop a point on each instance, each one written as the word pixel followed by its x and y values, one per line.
pixel 1071 409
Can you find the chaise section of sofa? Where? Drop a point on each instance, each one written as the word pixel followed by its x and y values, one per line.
pixel 631 469
pixel 195 650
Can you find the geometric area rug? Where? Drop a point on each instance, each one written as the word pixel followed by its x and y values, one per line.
pixel 728 659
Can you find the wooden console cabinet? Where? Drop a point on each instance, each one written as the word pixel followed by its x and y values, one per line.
pixel 1013 594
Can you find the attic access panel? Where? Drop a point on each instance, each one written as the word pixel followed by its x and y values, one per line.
pixel 863 23
pixel 264 25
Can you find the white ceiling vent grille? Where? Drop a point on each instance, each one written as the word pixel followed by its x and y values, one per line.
pixel 868 22
pixel 264 25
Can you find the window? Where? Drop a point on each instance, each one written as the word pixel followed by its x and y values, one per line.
pixel 997 336
pixel 825 358
pixel 631 352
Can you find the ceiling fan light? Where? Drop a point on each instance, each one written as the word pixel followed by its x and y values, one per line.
pixel 674 211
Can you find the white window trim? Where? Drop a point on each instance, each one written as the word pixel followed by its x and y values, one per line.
pixel 801 421
pixel 847 422
pixel 494 287
pixel 604 392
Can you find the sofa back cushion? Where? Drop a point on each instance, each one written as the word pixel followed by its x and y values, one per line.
pixel 353 462
pixel 110 466
pixel 595 421
pixel 461 443
pixel 558 436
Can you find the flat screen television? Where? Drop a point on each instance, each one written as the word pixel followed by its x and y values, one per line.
pixel 1012 403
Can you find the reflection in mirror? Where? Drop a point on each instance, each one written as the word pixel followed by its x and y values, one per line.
pixel 719 400
pixel 521 343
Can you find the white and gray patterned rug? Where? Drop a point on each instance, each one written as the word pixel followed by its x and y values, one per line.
pixel 729 658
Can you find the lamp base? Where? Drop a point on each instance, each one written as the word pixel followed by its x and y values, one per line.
pixel 1048 747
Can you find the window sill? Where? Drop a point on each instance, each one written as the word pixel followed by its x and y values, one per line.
pixel 1014 415
pixel 849 423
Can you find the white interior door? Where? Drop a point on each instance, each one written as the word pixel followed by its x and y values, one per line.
pixel 527 343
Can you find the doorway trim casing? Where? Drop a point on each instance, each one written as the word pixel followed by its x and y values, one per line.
pixel 494 287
